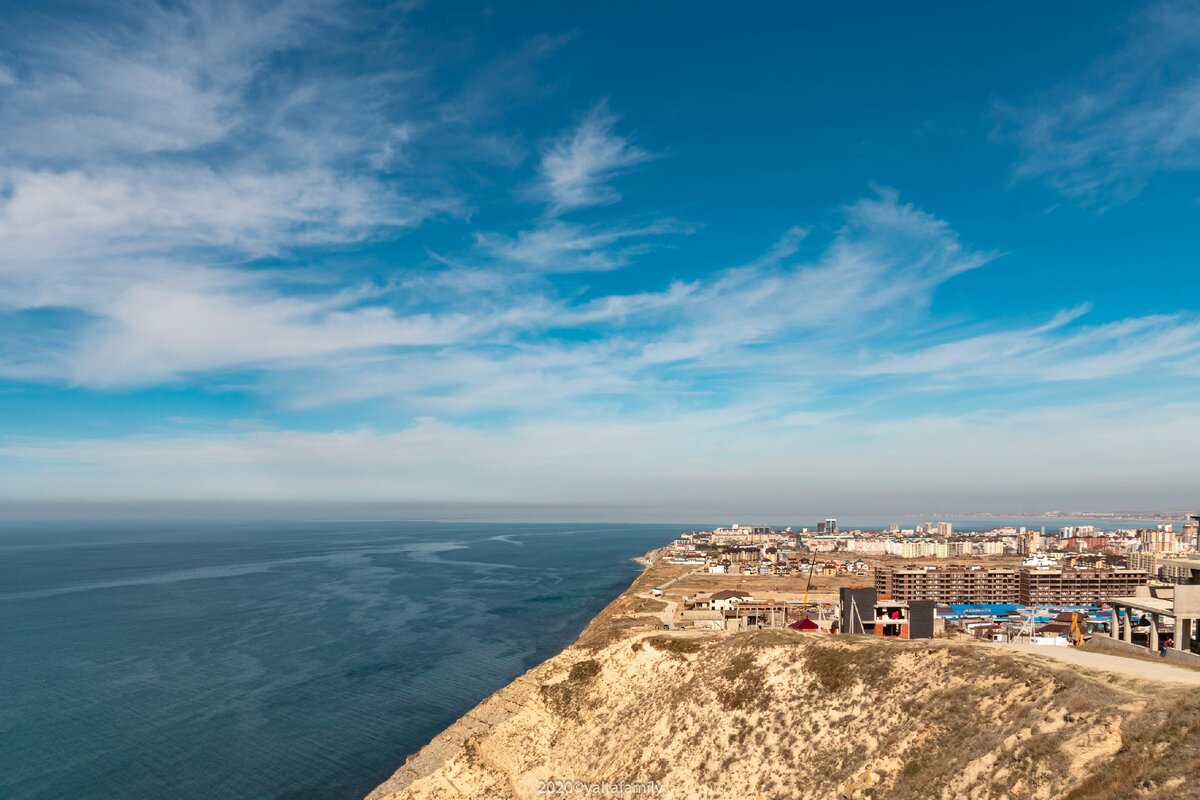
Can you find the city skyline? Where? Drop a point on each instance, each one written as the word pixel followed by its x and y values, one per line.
pixel 794 258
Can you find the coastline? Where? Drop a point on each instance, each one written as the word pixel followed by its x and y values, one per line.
pixel 612 620
pixel 629 709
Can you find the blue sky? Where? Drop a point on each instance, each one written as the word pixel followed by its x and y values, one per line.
pixel 793 258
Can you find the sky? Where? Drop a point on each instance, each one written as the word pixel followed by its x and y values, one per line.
pixel 643 259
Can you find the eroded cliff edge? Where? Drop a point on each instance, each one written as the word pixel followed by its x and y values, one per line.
pixel 788 715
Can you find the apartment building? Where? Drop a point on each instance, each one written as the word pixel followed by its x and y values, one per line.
pixel 1145 562
pixel 976 584
pixel 950 584
pixel 1078 586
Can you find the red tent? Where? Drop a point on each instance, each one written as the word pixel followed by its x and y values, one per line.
pixel 806 625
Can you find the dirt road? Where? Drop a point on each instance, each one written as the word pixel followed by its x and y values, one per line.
pixel 1120 665
pixel 667 615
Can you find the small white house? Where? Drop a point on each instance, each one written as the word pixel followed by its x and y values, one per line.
pixel 726 600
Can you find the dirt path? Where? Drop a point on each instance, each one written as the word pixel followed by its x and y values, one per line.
pixel 667 615
pixel 1128 667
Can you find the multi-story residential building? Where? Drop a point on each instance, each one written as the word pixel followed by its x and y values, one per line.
pixel 1161 540
pixel 975 584
pixel 1145 562
pixel 910 549
pixel 823 544
pixel 1191 532
pixel 744 534
pixel 950 584
pixel 876 546
pixel 945 529
pixel 951 549
pixel 1080 543
pixel 1078 586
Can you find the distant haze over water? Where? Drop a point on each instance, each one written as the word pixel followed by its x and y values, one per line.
pixel 690 518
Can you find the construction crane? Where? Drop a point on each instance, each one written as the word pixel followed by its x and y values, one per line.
pixel 1026 628
pixel 811 566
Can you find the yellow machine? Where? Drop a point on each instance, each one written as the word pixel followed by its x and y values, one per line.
pixel 1076 636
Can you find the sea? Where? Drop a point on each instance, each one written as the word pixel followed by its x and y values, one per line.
pixel 292 661
pixel 298 661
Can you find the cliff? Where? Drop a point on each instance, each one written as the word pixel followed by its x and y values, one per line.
pixel 781 714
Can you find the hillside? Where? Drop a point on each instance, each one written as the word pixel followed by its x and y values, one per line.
pixel 787 715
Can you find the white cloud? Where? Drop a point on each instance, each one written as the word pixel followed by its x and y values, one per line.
pixel 772 323
pixel 155 78
pixel 157 332
pixel 83 216
pixel 574 172
pixel 1135 114
pixel 149 161
pixel 557 246
pixel 577 166
pixel 882 266
pixel 1047 353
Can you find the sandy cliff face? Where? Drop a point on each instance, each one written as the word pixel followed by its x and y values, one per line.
pixel 789 715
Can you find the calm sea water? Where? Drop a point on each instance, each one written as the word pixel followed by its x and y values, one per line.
pixel 289 661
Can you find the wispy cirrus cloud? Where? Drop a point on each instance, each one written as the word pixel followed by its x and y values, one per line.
pixel 577 167
pixel 152 158
pixel 1050 352
pixel 882 265
pixel 155 333
pixel 574 172
pixel 558 246
pixel 1099 140
pixel 154 78
pixel 856 310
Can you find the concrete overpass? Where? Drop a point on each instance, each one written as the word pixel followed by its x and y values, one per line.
pixel 1180 603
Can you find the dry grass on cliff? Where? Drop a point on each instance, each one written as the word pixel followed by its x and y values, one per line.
pixel 780 714
pixel 646 605
pixel 786 715
pixel 675 644
pixel 930 712
pixel 566 695
pixel 1158 757
pixel 942 707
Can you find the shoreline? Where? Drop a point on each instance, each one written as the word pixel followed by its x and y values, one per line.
pixel 508 699
pixel 691 714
